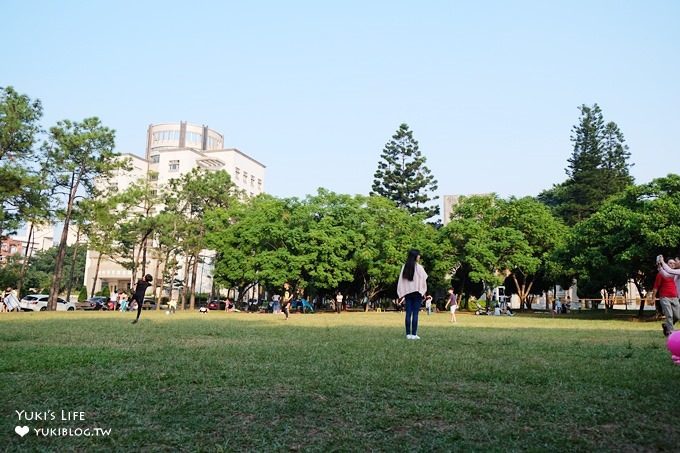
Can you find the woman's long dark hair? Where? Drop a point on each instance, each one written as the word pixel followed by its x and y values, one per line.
pixel 410 264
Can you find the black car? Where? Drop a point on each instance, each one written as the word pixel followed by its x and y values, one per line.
pixel 98 303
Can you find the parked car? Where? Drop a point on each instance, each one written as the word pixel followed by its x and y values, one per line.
pixel 217 304
pixel 38 302
pixel 98 303
pixel 149 304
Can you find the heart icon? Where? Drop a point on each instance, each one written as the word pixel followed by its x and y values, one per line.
pixel 21 430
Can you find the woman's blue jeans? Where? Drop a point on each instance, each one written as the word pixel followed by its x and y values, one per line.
pixel 412 302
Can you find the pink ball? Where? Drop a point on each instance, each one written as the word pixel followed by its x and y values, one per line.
pixel 674 343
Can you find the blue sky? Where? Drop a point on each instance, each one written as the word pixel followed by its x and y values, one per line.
pixel 314 89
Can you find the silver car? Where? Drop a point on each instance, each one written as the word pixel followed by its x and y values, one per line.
pixel 38 302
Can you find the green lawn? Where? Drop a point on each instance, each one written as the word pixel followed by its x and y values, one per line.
pixel 327 382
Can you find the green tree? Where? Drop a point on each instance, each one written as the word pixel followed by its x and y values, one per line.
pixel 198 193
pixel 100 226
pixel 19 125
pixel 19 132
pixel 532 234
pixel 388 232
pixel 598 168
pixel 257 242
pixel 619 242
pixel 326 242
pixel 473 236
pixel 82 152
pixel 332 237
pixel 41 268
pixel 35 209
pixel 168 248
pixel 495 240
pixel 127 221
pixel 403 177
pixel 9 272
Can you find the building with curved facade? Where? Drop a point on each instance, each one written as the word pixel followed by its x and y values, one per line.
pixel 173 149
pixel 182 135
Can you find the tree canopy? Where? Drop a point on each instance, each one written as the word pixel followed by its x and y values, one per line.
pixel 403 177
pixel 598 168
pixel 19 132
pixel 619 242
pixel 321 244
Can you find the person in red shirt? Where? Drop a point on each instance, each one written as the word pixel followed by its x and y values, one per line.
pixel 665 289
pixel 673 266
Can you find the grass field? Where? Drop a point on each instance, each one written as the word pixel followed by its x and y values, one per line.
pixel 327 382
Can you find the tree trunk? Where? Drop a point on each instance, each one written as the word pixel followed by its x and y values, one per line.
pixel 73 265
pixel 168 273
pixel 61 251
pixel 58 270
pixel 194 273
pixel 155 284
pixel 24 264
pixel 194 270
pixel 642 300
pixel 185 283
pixel 144 249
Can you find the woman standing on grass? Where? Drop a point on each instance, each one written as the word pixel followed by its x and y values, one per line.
pixel 411 287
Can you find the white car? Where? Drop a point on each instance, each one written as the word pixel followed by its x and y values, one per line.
pixel 38 302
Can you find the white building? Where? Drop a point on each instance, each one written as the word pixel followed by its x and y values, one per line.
pixel 41 238
pixel 172 150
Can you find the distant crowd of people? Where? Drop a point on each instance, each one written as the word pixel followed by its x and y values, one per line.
pixel 412 298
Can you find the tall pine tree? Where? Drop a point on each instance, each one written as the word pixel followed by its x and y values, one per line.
pixel 598 168
pixel 403 177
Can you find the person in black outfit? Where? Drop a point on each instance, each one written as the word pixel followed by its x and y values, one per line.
pixel 140 291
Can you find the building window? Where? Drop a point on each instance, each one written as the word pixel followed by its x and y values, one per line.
pixel 174 165
pixel 155 159
pixel 193 137
pixel 252 180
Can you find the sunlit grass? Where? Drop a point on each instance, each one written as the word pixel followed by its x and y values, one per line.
pixel 327 382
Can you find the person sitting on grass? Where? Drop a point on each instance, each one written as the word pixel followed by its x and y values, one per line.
pixel 507 311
